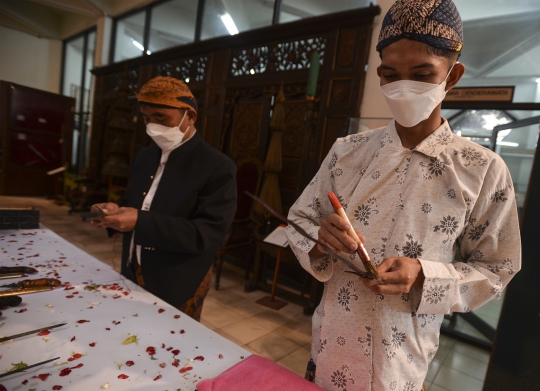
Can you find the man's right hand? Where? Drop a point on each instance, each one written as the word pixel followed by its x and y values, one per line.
pixel 108 208
pixel 333 233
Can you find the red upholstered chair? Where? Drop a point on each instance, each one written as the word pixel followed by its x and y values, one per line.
pixel 240 234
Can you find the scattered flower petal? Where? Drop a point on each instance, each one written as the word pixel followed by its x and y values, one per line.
pixel 161 310
pixel 122 376
pixel 132 339
pixel 129 363
pixel 44 332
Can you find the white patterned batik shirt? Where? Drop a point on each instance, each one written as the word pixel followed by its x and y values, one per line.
pixel 448 202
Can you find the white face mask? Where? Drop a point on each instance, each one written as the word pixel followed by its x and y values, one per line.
pixel 412 102
pixel 166 138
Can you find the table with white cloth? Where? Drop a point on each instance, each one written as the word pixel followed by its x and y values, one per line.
pixel 118 336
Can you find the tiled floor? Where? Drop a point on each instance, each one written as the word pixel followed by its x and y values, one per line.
pixel 283 336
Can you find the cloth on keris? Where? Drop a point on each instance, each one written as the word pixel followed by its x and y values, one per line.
pixel 450 203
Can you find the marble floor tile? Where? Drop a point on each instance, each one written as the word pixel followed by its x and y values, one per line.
pixel 245 331
pixel 273 346
pixel 296 361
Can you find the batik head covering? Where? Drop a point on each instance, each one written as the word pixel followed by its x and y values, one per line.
pixel 435 22
pixel 167 91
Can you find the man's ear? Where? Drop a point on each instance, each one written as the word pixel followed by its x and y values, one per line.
pixel 455 76
pixel 192 116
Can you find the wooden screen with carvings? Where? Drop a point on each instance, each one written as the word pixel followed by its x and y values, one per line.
pixel 235 80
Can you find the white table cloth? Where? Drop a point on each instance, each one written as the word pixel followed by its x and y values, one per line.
pixel 101 310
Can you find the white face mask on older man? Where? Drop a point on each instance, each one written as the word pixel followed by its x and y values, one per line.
pixel 165 137
pixel 412 102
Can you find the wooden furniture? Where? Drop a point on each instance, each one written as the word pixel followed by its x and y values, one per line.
pixel 240 234
pixel 36 129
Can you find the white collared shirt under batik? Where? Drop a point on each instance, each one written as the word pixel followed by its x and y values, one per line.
pixel 447 199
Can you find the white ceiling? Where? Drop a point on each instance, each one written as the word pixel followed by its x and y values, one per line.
pixel 502 37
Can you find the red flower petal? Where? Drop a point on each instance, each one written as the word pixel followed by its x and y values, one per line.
pixel 125 293
pixel 175 364
pixel 176 316
pixel 2 388
pixel 220 355
pixel 43 376
pixel 107 328
pixel 70 296
pixel 22 310
pixel 82 321
pixel 92 344
pixel 185 369
pixel 161 310
pixel 182 331
pixel 172 332
pixel 57 387
pixel 157 377
pixel 65 372
pixel 25 382
pixel 117 296
pixel 151 350
pixel 77 366
pixel 199 358
pixel 129 363
pixel 169 348
pixel 176 352
pixel 162 346
pixel 73 339
pixel 44 332
pixel 122 376
pixel 162 365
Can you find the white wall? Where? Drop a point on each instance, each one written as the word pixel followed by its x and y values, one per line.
pixel 30 61
pixel 374 107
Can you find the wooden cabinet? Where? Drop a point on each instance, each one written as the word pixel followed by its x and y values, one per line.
pixel 35 134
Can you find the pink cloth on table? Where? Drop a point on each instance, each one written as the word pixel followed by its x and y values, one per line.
pixel 257 373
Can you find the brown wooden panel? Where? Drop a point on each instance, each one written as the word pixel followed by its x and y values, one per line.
pixel 341 92
pixel 347 48
pixel 246 127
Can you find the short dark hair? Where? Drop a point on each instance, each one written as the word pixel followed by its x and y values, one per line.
pixel 448 54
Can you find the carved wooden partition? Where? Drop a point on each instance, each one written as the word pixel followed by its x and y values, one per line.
pixel 235 80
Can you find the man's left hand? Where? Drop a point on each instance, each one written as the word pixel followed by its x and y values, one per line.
pixel 122 219
pixel 398 275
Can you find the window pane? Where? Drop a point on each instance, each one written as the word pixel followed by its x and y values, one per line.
pixel 292 10
pixel 73 60
pixel 172 24
pixel 129 37
pixel 243 15
pixel 90 50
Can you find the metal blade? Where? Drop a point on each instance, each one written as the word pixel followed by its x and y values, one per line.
pixel 14 285
pixel 361 273
pixel 26 291
pixel 28 367
pixel 11 275
pixel 30 332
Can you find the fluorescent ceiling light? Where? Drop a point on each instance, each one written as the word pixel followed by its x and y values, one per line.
pixel 538 80
pixel 137 45
pixel 229 24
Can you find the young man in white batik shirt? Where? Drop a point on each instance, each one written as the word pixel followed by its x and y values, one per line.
pixel 435 211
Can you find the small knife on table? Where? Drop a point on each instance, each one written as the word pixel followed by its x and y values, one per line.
pixel 28 367
pixel 17 269
pixel 9 338
pixel 32 283
pixel 25 291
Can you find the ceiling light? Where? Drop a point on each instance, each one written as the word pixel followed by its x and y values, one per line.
pixel 137 45
pixel 229 24
pixel 538 80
